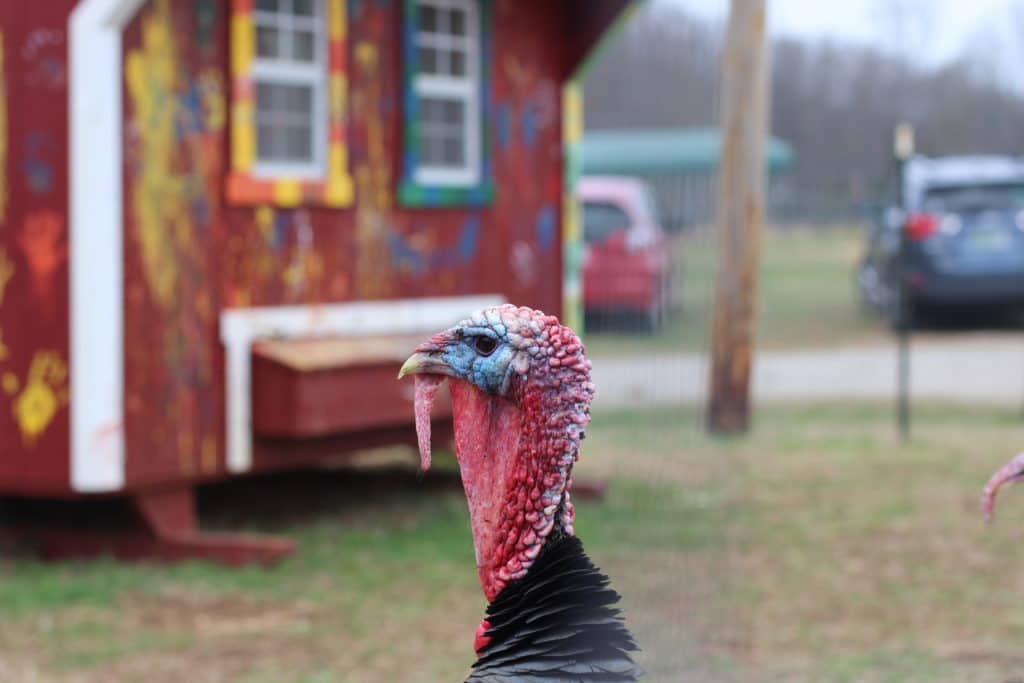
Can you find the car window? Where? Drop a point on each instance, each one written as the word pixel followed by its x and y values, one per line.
pixel 601 219
pixel 973 198
pixel 648 204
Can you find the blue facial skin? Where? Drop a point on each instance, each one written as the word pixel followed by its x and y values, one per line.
pixel 487 371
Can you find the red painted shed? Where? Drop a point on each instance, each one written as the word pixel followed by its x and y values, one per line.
pixel 221 222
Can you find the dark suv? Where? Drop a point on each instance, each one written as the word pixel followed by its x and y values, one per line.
pixel 964 231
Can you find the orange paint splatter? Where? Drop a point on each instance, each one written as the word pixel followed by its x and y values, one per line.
pixel 42 242
pixel 6 272
pixel 208 460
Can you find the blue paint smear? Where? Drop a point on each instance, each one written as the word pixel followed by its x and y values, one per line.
pixel 279 234
pixel 39 173
pixel 403 256
pixel 468 241
pixel 529 126
pixel 460 252
pixel 546 227
pixel 503 125
pixel 191 120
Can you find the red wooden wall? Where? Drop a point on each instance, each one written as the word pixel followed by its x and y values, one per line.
pixel 33 244
pixel 188 255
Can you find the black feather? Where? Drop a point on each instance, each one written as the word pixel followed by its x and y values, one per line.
pixel 557 624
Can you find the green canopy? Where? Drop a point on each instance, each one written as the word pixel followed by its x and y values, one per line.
pixel 665 151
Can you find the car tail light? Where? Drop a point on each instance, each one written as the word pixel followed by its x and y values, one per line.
pixel 921 226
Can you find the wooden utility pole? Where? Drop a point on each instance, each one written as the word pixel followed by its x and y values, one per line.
pixel 903 149
pixel 740 213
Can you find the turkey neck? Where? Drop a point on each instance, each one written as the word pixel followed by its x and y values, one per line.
pixel 516 456
pixel 558 623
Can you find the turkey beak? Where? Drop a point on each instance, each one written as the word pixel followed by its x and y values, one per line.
pixel 421 363
pixel 426 360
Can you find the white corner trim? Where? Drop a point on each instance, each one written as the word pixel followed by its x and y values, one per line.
pixel 240 327
pixel 95 235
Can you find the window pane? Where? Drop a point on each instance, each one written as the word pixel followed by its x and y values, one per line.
pixel 429 110
pixel 457 22
pixel 457 63
pixel 427 59
pixel 299 143
pixel 453 112
pixel 442 122
pixel 303 7
pixel 281 98
pixel 299 100
pixel 284 115
pixel 264 97
pixel 454 152
pixel 304 46
pixel 266 5
pixel 266 142
pixel 267 41
pixel 427 17
pixel 428 147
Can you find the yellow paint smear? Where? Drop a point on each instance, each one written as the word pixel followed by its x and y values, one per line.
pixel 287 193
pixel 41 398
pixel 159 192
pixel 373 185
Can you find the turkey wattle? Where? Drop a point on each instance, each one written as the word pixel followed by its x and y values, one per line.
pixel 521 392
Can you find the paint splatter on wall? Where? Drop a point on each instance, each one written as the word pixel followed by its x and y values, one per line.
pixel 43 54
pixel 6 272
pixel 37 167
pixel 45 392
pixel 45 250
pixel 175 116
pixel 160 198
pixel 34 312
pixel 373 182
pixel 190 255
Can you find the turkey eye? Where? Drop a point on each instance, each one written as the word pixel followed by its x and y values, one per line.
pixel 485 345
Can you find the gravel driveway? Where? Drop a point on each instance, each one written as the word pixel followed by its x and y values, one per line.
pixel 975 368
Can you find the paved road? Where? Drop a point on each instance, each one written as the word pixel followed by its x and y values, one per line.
pixel 978 368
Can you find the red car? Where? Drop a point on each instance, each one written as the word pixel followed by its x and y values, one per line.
pixel 627 260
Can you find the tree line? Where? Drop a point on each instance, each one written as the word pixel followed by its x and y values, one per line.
pixel 835 103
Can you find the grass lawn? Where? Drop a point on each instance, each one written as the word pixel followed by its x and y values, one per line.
pixel 807 299
pixel 817 549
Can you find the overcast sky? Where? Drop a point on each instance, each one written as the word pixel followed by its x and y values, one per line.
pixel 939 29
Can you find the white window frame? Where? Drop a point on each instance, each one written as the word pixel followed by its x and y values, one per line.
pixel 290 72
pixel 465 88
